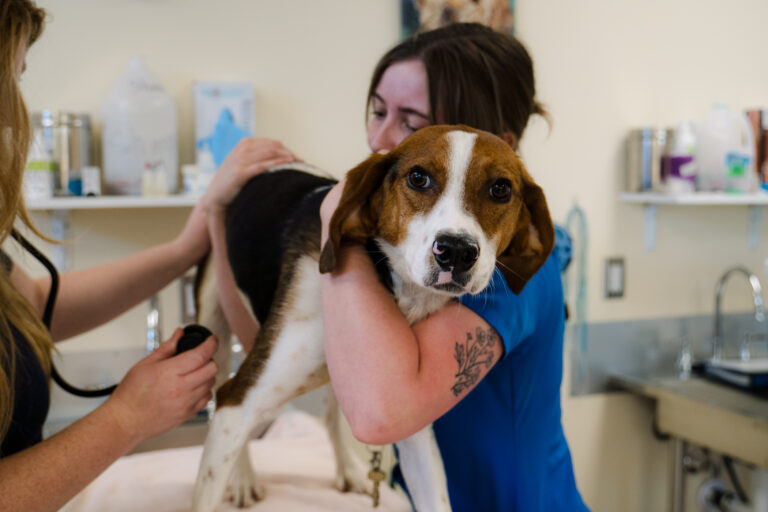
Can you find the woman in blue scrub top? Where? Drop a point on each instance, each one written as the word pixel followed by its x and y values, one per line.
pixel 499 433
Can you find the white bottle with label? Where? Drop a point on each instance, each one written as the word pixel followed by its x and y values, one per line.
pixel 139 131
pixel 40 172
pixel 680 165
pixel 725 152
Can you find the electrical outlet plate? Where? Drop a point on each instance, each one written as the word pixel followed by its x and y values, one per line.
pixel 613 280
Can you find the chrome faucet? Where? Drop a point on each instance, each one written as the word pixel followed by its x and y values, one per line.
pixel 154 331
pixel 757 299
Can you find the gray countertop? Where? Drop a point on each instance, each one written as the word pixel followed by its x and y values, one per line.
pixel 712 415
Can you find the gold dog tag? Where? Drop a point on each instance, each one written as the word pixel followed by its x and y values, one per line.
pixel 376 475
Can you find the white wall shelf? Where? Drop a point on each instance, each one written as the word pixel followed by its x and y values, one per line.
pixel 60 209
pixel 651 200
pixel 696 199
pixel 112 202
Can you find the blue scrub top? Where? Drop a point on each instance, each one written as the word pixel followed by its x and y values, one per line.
pixel 503 445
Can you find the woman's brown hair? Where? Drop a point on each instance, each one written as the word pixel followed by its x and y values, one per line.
pixel 476 76
pixel 21 23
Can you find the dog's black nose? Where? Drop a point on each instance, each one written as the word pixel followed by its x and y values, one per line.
pixel 455 253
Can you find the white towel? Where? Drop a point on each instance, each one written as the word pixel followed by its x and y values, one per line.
pixel 294 461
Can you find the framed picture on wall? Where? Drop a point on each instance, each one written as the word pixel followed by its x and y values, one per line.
pixel 420 15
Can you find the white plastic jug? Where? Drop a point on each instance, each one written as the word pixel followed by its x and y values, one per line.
pixel 725 152
pixel 140 133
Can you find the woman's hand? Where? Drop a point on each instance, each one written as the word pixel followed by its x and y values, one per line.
pixel 164 389
pixel 250 157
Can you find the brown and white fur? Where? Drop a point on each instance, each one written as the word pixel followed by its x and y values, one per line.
pixel 439 13
pixel 446 207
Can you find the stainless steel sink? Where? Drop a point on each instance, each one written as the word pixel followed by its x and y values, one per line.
pixel 750 375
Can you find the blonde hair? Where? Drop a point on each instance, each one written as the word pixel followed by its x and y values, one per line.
pixel 21 23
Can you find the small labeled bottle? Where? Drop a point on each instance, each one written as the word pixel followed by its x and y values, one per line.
pixel 681 168
pixel 40 171
pixel 206 166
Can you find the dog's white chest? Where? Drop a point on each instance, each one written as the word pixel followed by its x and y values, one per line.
pixel 415 301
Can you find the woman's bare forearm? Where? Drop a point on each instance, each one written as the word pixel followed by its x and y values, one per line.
pixel 47 475
pixel 89 298
pixel 391 378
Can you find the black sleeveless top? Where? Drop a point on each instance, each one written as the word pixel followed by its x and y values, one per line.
pixel 32 395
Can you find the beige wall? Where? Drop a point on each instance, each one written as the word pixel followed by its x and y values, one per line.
pixel 606 67
pixel 602 68
pixel 309 62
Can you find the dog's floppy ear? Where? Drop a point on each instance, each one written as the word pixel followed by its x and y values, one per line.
pixel 532 242
pixel 355 216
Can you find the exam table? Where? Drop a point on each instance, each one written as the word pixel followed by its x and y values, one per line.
pixel 294 460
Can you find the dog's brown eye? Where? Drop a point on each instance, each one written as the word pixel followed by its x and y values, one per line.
pixel 501 190
pixel 418 178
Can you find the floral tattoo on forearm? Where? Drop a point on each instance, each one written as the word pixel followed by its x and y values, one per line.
pixel 471 356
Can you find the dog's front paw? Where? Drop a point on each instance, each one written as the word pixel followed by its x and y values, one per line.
pixel 352 478
pixel 243 492
pixel 353 483
pixel 244 488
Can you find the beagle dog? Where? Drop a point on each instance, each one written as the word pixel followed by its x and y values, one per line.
pixel 448 207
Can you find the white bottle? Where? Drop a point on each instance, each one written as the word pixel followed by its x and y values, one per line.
pixel 725 152
pixel 681 167
pixel 206 167
pixel 39 175
pixel 140 131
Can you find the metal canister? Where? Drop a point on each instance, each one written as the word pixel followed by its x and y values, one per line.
pixel 644 152
pixel 44 122
pixel 61 151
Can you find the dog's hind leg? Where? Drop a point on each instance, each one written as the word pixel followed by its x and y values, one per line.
pixel 351 473
pixel 423 471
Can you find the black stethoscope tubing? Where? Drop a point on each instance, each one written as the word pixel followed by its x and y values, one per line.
pixel 48 314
